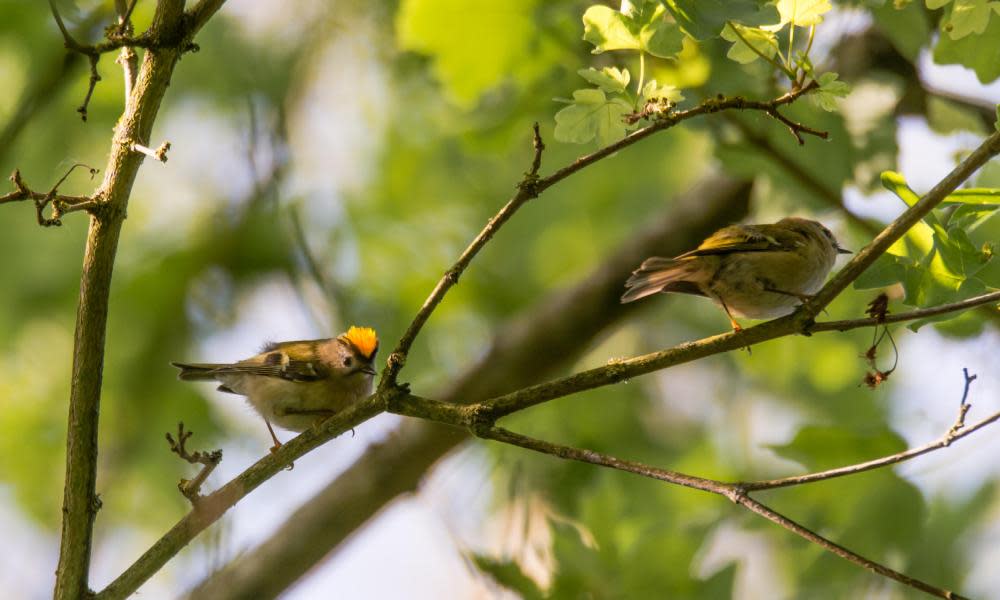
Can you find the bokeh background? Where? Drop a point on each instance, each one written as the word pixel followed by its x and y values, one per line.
pixel 331 159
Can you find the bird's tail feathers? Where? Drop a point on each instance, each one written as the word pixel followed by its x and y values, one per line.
pixel 657 275
pixel 197 371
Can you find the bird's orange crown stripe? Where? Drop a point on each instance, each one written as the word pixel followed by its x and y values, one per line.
pixel 364 339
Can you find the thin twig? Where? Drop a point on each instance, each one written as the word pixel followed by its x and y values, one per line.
pixel 61 204
pixel 527 189
pixel 895 230
pixel 733 492
pixel 933 311
pixel 214 505
pixel 803 176
pixel 159 154
pixel 125 20
pixel 531 186
pixel 956 432
pixel 191 488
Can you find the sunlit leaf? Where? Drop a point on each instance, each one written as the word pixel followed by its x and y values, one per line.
pixel 981 53
pixel 803 13
pixel 609 79
pixel 749 43
pixel 644 30
pixel 968 17
pixel 592 114
pixel 830 88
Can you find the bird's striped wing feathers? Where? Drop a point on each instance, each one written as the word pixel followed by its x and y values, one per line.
pixel 740 239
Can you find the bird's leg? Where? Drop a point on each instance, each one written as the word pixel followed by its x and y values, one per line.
pixel 277 443
pixel 732 321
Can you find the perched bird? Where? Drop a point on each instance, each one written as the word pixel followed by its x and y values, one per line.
pixel 755 271
pixel 297 384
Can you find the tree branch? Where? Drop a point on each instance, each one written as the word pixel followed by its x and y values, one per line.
pixel 562 327
pixel 568 321
pixel 61 204
pixel 527 189
pixel 913 315
pixel 531 186
pixel 895 230
pixel 733 491
pixel 80 502
pixel 209 508
pixel 956 432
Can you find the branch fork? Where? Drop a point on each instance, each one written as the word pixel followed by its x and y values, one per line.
pixel 191 488
pixel 61 204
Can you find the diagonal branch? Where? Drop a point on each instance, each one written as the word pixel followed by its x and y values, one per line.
pixel 527 189
pixel 895 230
pixel 484 414
pixel 531 186
pixel 734 492
pixel 563 326
pixel 957 431
pixel 209 508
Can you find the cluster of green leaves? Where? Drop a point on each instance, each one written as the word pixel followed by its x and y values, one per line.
pixel 949 256
pixel 970 35
pixel 658 28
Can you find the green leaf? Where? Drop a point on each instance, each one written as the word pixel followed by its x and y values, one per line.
pixel 997 123
pixel 592 114
pixel 508 574
pixel 981 53
pixel 608 29
pixel 887 270
pixel 937 264
pixel 935 4
pixel 655 91
pixel 662 39
pixel 830 88
pixel 609 79
pixel 802 13
pixel 967 17
pixel 984 196
pixel 704 19
pixel 749 43
pixel 644 30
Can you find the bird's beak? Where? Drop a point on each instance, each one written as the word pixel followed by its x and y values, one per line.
pixel 368 370
pixel 843 250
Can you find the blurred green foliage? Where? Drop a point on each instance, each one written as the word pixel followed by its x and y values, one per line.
pixel 465 80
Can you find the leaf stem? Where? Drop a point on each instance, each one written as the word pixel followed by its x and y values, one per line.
pixel 642 76
pixel 777 65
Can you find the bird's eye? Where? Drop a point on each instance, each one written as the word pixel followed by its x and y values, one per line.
pixel 348 361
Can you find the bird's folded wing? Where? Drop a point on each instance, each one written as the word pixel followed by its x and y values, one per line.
pixel 292 370
pixel 745 239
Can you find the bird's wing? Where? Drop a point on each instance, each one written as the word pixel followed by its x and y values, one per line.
pixel 748 238
pixel 292 370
